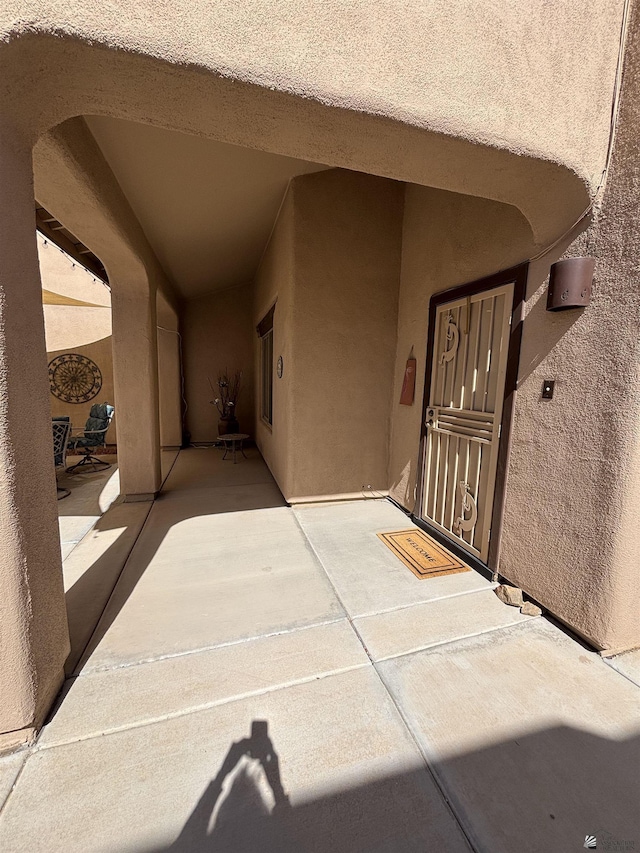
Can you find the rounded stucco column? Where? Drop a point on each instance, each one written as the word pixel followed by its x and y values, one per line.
pixel 135 373
pixel 34 639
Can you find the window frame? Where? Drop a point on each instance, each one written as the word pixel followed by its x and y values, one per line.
pixel 265 334
pixel 266 378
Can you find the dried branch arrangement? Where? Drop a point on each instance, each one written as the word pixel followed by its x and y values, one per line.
pixel 228 389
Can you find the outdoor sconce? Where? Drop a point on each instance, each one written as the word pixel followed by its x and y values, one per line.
pixel 570 284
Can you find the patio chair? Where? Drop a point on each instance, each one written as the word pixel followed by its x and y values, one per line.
pixel 61 431
pixel 93 437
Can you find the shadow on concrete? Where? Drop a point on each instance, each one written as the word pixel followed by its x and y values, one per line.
pixel 244 801
pixel 87 598
pixel 100 593
pixel 547 790
pixel 89 489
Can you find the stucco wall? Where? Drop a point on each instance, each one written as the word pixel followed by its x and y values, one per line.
pixel 74 182
pixel 64 276
pixel 448 239
pixel 274 284
pixel 218 336
pixel 100 352
pixel 473 97
pixel 478 97
pixel 348 231
pixel 68 327
pixel 485 68
pixel 333 264
pixel 570 537
pixel 81 329
pixel 571 534
pixel 572 455
pixel 169 374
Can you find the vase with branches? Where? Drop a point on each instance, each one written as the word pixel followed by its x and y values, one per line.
pixel 226 392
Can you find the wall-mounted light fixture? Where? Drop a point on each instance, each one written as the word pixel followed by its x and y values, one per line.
pixel 570 284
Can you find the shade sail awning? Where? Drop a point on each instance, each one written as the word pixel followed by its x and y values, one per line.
pixel 51 298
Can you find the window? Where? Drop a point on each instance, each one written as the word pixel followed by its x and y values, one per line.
pixel 265 332
pixel 266 359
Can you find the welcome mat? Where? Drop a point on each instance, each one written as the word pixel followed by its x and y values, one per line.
pixel 422 554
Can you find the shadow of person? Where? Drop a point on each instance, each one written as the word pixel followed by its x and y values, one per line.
pixel 232 816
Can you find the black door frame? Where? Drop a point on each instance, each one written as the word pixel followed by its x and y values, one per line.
pixel 518 277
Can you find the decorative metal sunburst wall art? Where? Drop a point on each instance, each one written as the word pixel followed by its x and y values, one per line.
pixel 74 378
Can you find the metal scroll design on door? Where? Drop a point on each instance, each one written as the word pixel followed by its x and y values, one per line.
pixel 452 341
pixel 468 506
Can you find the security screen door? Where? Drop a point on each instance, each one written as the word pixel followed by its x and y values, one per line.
pixel 463 415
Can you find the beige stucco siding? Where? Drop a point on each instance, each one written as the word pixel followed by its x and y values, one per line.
pixel 448 240
pixel 99 352
pixel 170 370
pixel 274 284
pixel 508 107
pixel 569 537
pixel 348 231
pixel 84 329
pixel 487 81
pixel 571 531
pixel 217 338
pixel 466 97
pixel 68 327
pixel 333 266
pixel 33 625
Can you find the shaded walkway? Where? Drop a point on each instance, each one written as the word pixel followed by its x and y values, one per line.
pixel 91 495
pixel 97 534
pixel 268 678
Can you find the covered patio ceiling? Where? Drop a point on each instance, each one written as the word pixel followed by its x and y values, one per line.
pixel 207 208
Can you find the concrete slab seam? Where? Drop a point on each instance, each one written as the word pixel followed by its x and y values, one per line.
pixel 490 584
pixel 458 639
pixel 175 459
pixel 469 836
pixel 206 706
pixel 75 545
pixel 333 587
pixel 28 752
pixel 82 660
pixel 210 488
pixel 426 601
pixel 187 652
pixel 608 662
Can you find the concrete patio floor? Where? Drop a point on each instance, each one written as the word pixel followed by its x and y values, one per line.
pixel 97 533
pixel 92 493
pixel 372 711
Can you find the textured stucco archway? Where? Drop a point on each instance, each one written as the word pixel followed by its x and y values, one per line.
pixel 419 97
pixel 69 165
pixel 423 97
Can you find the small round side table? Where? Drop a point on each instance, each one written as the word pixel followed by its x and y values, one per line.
pixel 233 442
